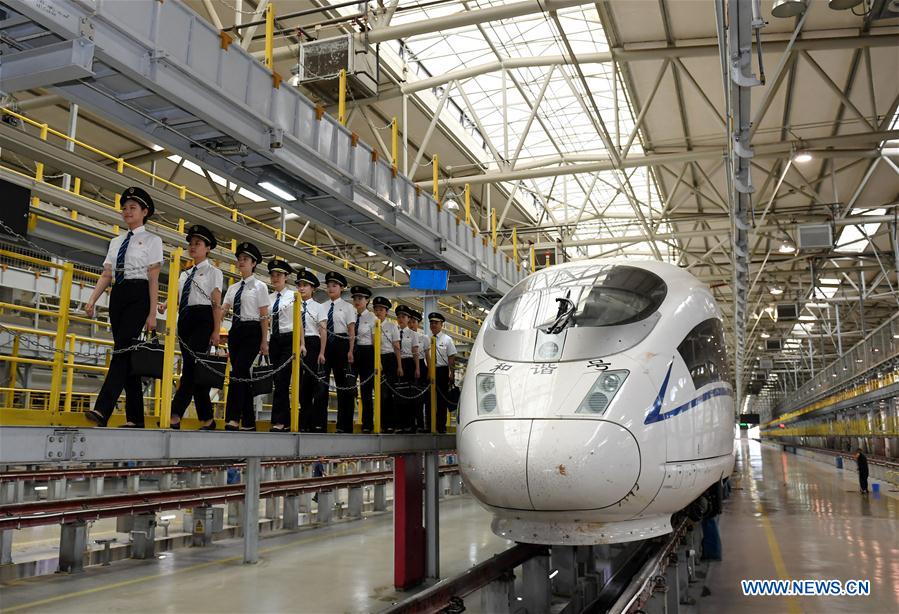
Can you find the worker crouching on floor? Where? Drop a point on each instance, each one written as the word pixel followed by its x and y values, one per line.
pixel 281 341
pixel 248 337
pixel 132 266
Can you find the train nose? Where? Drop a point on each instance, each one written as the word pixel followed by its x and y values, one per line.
pixel 549 465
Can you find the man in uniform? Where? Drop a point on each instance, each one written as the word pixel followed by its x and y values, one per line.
pixel 446 363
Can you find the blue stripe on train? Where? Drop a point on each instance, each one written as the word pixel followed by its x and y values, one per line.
pixel 655 412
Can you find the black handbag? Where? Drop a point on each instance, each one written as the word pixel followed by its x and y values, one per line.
pixel 452 398
pixel 148 357
pixel 263 380
pixel 210 371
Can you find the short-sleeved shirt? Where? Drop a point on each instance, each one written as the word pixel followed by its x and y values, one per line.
pixel 311 318
pixel 366 328
pixel 144 250
pixel 390 332
pixel 424 345
pixel 408 340
pixel 445 349
pixel 285 310
pixel 206 280
pixel 344 314
pixel 254 296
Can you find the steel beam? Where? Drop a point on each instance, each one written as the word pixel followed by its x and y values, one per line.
pixel 47 65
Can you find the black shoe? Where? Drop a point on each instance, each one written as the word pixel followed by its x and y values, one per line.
pixel 231 427
pixel 368 431
pixel 279 428
pixel 246 429
pixel 95 417
pixel 131 426
pixel 208 427
pixel 175 426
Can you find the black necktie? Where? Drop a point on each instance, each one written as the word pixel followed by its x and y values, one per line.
pixel 185 293
pixel 237 301
pixel 120 258
pixel 275 315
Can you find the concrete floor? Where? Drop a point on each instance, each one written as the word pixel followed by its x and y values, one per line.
pixel 795 518
pixel 347 567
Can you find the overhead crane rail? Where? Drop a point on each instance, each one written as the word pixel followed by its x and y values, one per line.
pixel 164 71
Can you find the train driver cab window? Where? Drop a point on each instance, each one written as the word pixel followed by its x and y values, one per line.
pixel 582 296
pixel 705 354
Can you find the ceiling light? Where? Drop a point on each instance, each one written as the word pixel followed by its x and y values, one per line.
pixel 279 192
pixel 829 281
pixel 776 291
pixel 818 305
pixel 788 8
pixel 765 335
pixel 802 157
pixel 842 5
pixel 786 249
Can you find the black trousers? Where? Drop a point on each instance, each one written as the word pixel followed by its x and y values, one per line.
pixel 243 347
pixel 336 363
pixel 194 329
pixel 423 403
pixel 863 481
pixel 364 363
pixel 442 384
pixel 129 306
pixel 280 349
pixel 388 408
pixel 311 416
pixel 405 407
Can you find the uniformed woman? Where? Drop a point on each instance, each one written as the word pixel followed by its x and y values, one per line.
pixel 423 403
pixel 340 318
pixel 280 345
pixel 391 361
pixel 247 299
pixel 313 344
pixel 199 320
pixel 404 405
pixel 132 267
pixel 364 354
pixel 444 367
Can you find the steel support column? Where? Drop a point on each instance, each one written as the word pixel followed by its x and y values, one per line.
pixel 432 514
pixel 409 534
pixel 252 477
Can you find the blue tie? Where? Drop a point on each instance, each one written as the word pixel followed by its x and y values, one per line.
pixel 275 315
pixel 185 293
pixel 237 301
pixel 331 319
pixel 120 258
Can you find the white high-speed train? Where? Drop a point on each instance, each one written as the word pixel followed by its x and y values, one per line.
pixel 597 403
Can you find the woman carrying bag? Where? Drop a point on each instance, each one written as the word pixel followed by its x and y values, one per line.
pixel 199 319
pixel 247 299
pixel 132 267
pixel 281 342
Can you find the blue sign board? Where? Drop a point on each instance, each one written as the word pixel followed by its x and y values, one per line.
pixel 428 279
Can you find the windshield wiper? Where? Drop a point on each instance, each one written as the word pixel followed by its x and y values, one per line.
pixel 563 317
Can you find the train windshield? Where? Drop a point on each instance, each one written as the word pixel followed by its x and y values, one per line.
pixel 587 296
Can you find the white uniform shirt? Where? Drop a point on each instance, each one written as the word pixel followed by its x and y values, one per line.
pixel 285 310
pixel 408 340
pixel 312 318
pixel 366 328
pixel 144 249
pixel 254 296
pixel 344 315
pixel 424 345
pixel 206 280
pixel 445 349
pixel 390 332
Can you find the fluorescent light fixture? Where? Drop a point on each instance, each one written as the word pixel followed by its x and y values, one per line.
pixel 802 156
pixel 776 291
pixel 829 281
pixel 40 488
pixel 168 517
pixel 765 336
pixel 786 249
pixel 279 192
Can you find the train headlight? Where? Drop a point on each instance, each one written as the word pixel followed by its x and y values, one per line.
pixel 602 392
pixel 487 401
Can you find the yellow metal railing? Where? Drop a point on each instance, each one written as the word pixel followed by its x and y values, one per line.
pixel 854 427
pixel 184 192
